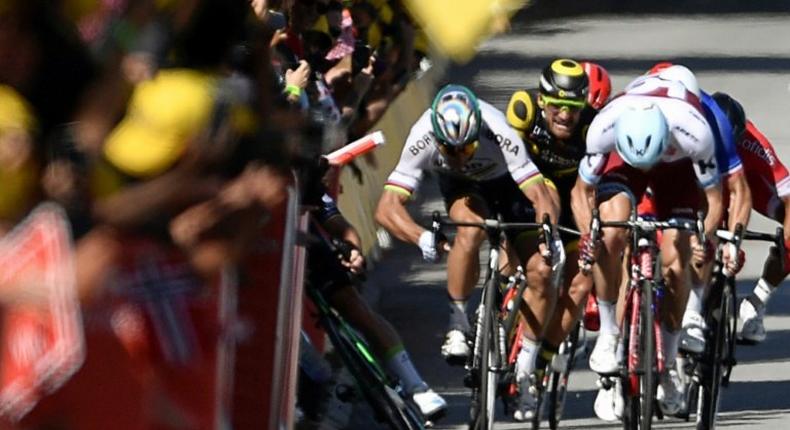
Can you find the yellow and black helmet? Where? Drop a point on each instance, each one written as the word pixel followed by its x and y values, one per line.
pixel 564 79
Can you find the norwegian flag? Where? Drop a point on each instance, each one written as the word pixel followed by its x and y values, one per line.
pixel 42 333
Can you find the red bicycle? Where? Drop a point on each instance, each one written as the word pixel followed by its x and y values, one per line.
pixel 644 357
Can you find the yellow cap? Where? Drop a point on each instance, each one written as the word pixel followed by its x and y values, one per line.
pixel 374 35
pixel 164 114
pixel 321 25
pixel 15 112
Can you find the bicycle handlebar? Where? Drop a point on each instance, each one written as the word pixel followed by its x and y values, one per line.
pixel 492 226
pixel 740 235
pixel 644 225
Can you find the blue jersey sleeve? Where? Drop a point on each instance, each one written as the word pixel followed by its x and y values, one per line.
pixel 726 154
pixel 328 208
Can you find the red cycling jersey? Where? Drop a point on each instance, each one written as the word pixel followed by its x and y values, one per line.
pixel 768 178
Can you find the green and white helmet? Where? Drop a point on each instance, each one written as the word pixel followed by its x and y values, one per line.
pixel 455 116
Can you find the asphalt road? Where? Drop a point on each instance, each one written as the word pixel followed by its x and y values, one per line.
pixel 747 56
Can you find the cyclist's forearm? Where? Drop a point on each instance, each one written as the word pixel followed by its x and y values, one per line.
pixel 740 201
pixel 541 197
pixel 582 204
pixel 715 209
pixel 339 227
pixel 393 216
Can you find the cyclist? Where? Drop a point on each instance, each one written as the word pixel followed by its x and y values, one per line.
pixel 769 181
pixel 730 167
pixel 482 170
pixel 552 120
pixel 600 84
pixel 597 97
pixel 324 271
pixel 652 135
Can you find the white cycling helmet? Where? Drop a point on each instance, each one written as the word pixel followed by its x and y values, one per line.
pixel 642 135
pixel 683 75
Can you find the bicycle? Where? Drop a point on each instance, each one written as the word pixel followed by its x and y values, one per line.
pixel 643 348
pixel 489 357
pixel 383 393
pixel 556 375
pixel 710 371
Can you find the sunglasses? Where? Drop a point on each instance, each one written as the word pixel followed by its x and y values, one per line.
pixel 455 151
pixel 557 105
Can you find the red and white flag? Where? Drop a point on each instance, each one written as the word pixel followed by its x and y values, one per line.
pixel 41 325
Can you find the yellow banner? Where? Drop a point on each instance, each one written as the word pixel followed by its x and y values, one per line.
pixel 456 27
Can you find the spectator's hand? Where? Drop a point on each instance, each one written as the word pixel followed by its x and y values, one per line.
pixel 299 77
pixel 278 37
pixel 355 262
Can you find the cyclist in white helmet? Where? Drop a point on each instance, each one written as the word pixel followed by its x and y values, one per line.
pixel 654 135
pixel 483 170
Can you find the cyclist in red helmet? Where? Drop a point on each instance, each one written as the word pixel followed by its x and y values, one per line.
pixel 600 84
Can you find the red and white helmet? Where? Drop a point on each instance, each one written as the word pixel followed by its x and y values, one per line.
pixel 678 73
pixel 600 84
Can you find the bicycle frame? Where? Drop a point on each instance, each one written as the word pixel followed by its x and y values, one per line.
pixel 712 369
pixel 644 346
pixel 489 353
pixel 384 393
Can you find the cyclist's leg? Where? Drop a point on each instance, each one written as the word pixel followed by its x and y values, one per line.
pixel 608 277
pixel 570 302
pixel 672 202
pixel 333 279
pixel 464 204
pixel 752 308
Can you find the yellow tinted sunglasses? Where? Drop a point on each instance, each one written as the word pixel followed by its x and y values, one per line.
pixel 559 104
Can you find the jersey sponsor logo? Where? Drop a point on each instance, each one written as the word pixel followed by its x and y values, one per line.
pixel 506 144
pixel 425 142
pixel 755 148
pixel 697 116
pixel 686 133
pixel 705 165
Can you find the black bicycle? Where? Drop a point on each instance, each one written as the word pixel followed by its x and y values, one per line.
pixel 489 359
pixel 382 391
pixel 558 374
pixel 711 370
pixel 643 359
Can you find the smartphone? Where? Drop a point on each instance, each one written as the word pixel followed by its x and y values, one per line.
pixel 360 58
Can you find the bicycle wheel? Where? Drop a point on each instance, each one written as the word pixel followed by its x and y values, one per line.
pixel 539 396
pixel 648 353
pixel 384 398
pixel 713 370
pixel 484 394
pixel 558 382
pixel 639 385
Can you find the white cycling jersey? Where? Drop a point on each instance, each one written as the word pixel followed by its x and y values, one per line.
pixel 500 151
pixel 690 133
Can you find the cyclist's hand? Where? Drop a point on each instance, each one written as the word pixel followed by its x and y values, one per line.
pixel 702 253
pixel 430 247
pixel 587 252
pixel 355 262
pixel 733 264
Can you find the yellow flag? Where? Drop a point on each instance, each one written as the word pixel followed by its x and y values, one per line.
pixel 456 27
